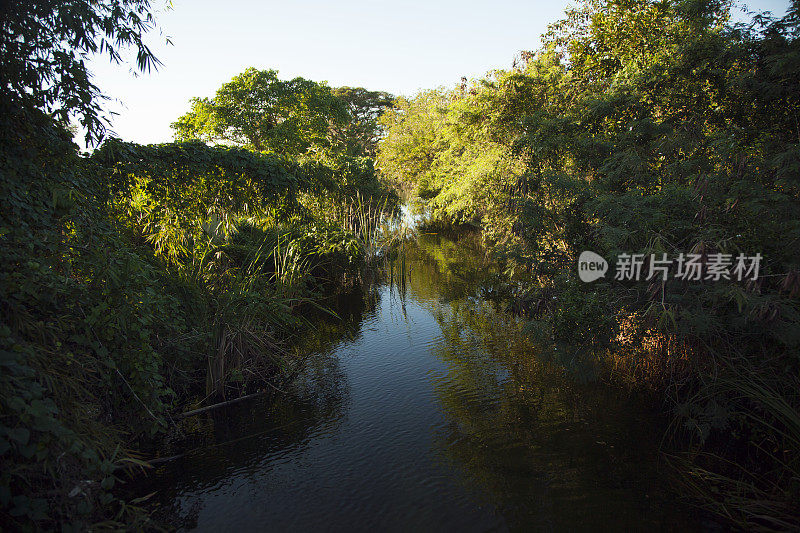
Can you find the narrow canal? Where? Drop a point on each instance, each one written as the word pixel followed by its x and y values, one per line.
pixel 426 408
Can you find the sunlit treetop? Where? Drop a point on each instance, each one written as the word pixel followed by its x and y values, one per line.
pixel 258 110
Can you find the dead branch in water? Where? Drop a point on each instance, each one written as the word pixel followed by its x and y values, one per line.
pixel 221 404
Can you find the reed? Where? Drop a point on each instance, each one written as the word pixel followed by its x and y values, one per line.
pixel 755 410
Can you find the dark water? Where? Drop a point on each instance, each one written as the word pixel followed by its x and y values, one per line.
pixel 425 409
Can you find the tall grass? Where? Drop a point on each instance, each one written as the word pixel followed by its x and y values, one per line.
pixel 749 470
pixel 265 280
pixel 379 228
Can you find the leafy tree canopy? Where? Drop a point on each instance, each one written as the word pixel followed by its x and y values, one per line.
pixel 259 111
pixel 413 125
pixel 360 134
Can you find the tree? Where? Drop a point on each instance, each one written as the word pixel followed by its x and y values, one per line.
pixel 44 45
pixel 258 110
pixel 359 136
pixel 651 127
pixel 413 138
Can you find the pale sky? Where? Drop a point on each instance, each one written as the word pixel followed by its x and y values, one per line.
pixel 395 46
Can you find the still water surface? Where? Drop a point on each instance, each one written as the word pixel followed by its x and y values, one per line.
pixel 426 409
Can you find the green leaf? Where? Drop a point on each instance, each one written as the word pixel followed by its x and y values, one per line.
pixel 21 435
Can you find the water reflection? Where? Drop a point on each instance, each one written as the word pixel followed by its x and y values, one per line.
pixel 547 452
pixel 426 408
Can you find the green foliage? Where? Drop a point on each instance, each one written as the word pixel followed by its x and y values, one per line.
pixel 175 195
pixel 128 278
pixel 638 127
pixel 71 370
pixel 359 135
pixel 410 145
pixel 330 134
pixel 44 44
pixel 258 110
pixel 131 277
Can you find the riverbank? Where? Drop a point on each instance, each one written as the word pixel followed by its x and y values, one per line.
pixel 651 136
pixel 137 280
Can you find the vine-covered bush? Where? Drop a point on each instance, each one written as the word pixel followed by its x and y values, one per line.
pixel 125 277
pixel 84 314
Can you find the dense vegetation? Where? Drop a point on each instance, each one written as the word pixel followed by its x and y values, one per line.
pixel 136 280
pixel 644 127
pixel 139 278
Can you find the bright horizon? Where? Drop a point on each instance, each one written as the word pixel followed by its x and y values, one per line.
pixel 377 45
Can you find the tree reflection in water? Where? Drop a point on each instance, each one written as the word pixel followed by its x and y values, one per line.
pixel 426 407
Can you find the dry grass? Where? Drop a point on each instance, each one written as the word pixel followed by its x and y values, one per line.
pixel 244 356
